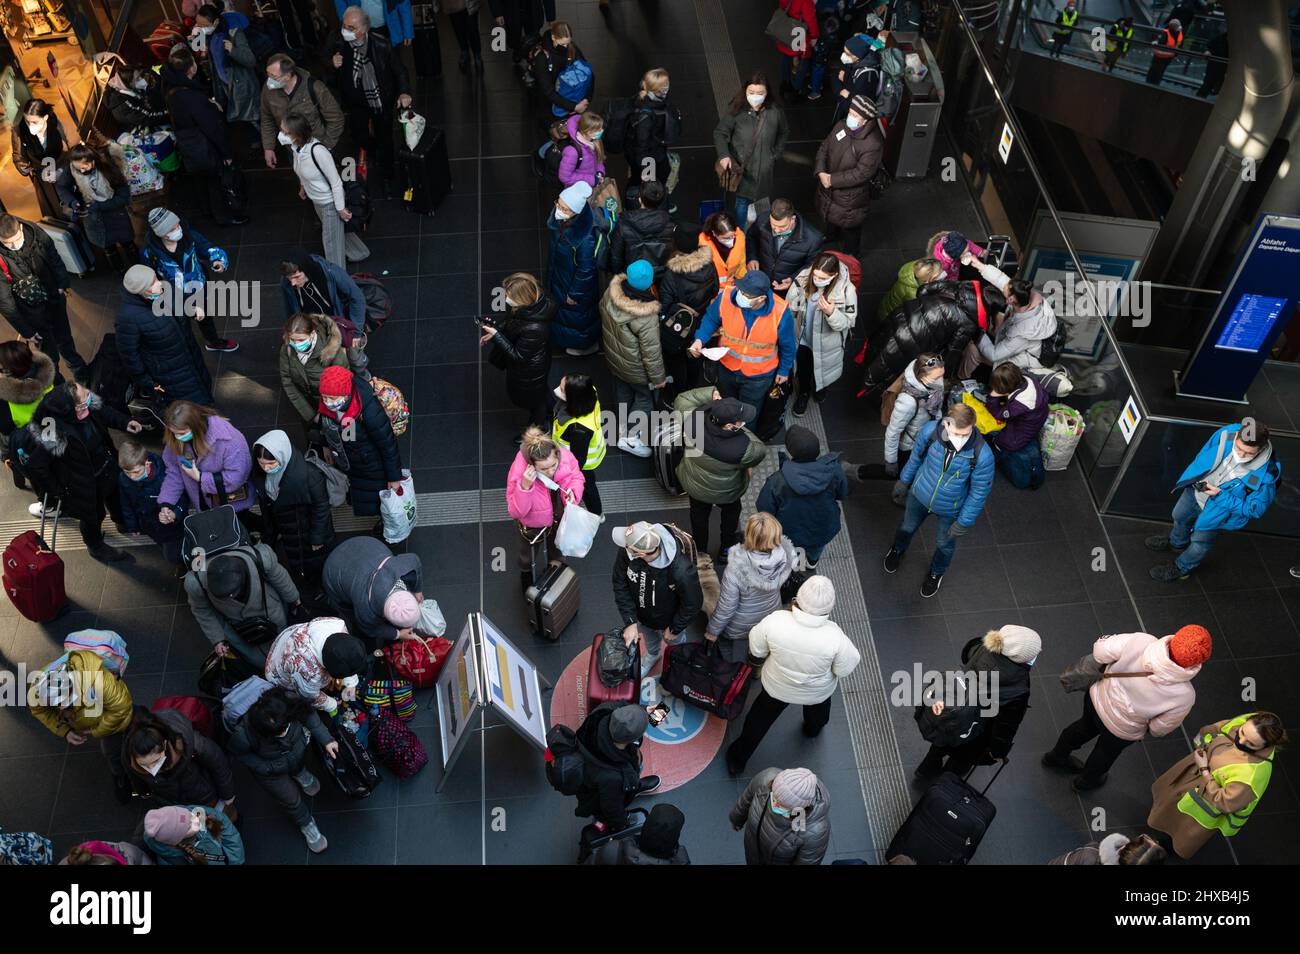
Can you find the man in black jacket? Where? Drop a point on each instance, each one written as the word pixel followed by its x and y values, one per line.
pixel 610 740
pixel 861 74
pixel 782 245
pixel 645 232
pixel 371 85
pixel 158 349
pixel 656 587
pixel 33 282
pixel 201 132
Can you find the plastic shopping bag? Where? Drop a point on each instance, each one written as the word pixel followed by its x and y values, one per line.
pixel 432 622
pixel 577 530
pixel 397 507
pixel 1060 436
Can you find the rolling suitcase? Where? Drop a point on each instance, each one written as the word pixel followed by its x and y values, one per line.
pixel 77 257
pixel 666 442
pixel 553 598
pixel 33 574
pixel 428 171
pixel 629 690
pixel 947 824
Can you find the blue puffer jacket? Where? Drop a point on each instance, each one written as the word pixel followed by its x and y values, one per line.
pixel 959 489
pixel 194 254
pixel 1239 500
pixel 572 274
pixel 159 349
pixel 805 498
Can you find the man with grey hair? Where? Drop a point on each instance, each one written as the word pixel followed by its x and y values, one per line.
pixel 290 88
pixel 372 86
pixel 656 586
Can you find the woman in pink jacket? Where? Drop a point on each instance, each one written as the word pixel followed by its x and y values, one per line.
pixel 582 159
pixel 948 248
pixel 542 479
pixel 1146 687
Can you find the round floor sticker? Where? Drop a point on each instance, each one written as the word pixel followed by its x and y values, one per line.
pixel 676 750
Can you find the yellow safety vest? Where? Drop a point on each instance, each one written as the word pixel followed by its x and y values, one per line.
pixel 1119 33
pixel 1068 18
pixel 1194 805
pixel 22 413
pixel 596 449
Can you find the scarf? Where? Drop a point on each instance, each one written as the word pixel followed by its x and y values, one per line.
pixel 94 185
pixel 352 410
pixel 277 442
pixel 363 76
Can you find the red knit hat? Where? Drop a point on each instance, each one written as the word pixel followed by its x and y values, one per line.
pixel 1191 646
pixel 336 382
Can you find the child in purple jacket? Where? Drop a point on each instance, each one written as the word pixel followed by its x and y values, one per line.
pixel 583 159
pixel 1021 403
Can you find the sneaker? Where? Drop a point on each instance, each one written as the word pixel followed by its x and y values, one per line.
pixel 583 352
pixel 648 784
pixel 1295 571
pixel 635 447
pixel 316 842
pixel 1167 573
pixel 1159 543
pixel 37 510
pixel 106 554
pixel 1082 784
pixel 892 560
pixel 734 767
pixel 1071 763
pixel 801 405
pixel 814 95
pixel 930 585
pixel 225 346
pixel 309 783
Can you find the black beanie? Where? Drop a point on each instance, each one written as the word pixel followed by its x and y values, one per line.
pixel 227 576
pixel 686 238
pixel 802 444
pixel 343 655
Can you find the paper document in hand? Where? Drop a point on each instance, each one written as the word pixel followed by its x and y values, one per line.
pixel 714 354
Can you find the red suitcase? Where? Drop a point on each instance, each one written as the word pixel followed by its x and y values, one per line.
pixel 33 574
pixel 629 690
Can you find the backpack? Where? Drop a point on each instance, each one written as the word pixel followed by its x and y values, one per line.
pixel 604 221
pixel 573 83
pixel 209 532
pixel 356 199
pixel 614 660
pixel 193 708
pixel 395 406
pixel 566 769
pixel 336 482
pixel 107 376
pixel 396 745
pixel 1049 352
pixel 891 82
pixel 677 327
pixel 617 114
pixel 104 643
pixel 546 160
pixel 379 303
pixel 854 266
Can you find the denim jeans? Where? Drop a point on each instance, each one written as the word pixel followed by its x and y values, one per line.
pixel 1197 542
pixel 751 391
pixel 913 517
pixel 742 209
pixel 1024 467
pixel 654 647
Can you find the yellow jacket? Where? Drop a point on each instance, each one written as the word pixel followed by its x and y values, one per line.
pixel 92 677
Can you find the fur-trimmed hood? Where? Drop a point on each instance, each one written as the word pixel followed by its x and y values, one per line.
pixel 761 570
pixel 626 308
pixel 27 389
pixel 692 262
pixel 329 339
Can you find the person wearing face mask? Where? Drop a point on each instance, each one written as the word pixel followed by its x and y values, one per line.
pixel 757 329
pixel 1024 335
pixel 1019 402
pixel 92 185
pixel 750 138
pixel 918 399
pixel 825 308
pixel 68 455
pixel 291 89
pixel 571 274
pixel 170 762
pixel 369 455
pixel 782 244
pixel 311 343
pixel 583 158
pixel 949 474
pixel 234 65
pixel 1232 480
pixel 134 98
pixel 208 462
pixel 295 506
pixel 372 86
pixel 630 333
pixel 32 292
pixel 378 591
pixel 37 135
pixel 656 587
pixel 861 73
pixel 192 835
pixel 786 817
pixel 845 163
pixel 653 126
pixel 270 740
pixel 314 285
pixel 689 281
pixel 560 72
pixel 319 183
pixel 139 483
pixel 578 428
pixel 181 257
pixel 1218 786
pixel 520 343
pixel 543 478
pixel 26 376
pixel 726 244
pixel 1003 660
pixel 157 349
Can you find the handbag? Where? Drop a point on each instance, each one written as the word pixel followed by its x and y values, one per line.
pixel 336 482
pixel 396 695
pixel 697 674
pixel 418 660
pixel 785 29
pixel 729 178
pixel 1082 674
pixel 219 674
pixel 432 622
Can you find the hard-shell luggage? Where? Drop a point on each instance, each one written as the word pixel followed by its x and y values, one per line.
pixel 697 674
pixel 427 170
pixel 947 824
pixel 353 770
pixel 77 257
pixel 193 708
pixel 666 442
pixel 629 690
pixel 553 598
pixel 33 574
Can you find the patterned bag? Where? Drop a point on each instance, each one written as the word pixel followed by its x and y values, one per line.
pixel 141 173
pixel 397 693
pixel 104 643
pixel 395 406
pixel 396 745
pixel 25 848
pixel 1060 435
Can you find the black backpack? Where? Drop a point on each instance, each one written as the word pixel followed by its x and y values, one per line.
pixel 614 659
pixel 107 376
pixel 616 115
pixel 677 328
pixel 1050 350
pixel 566 767
pixel 547 165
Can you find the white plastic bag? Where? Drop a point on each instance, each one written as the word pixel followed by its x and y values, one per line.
pixel 412 127
pixel 914 67
pixel 1060 436
pixel 577 530
pixel 432 622
pixel 397 507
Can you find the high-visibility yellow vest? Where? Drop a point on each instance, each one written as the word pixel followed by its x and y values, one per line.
pixel 595 449
pixel 22 413
pixel 1195 806
pixel 1121 34
pixel 1068 18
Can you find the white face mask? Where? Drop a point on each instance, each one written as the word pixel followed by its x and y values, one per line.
pixel 547 482
pixel 349 35
pixel 746 302
pixel 141 83
pixel 756 101
pixel 175 234
pixel 559 393
pixel 728 242
pixel 847 59
pixel 853 122
pixel 561 215
pixel 822 282
pixel 156 767
pixel 283 138
pixel 511 304
pixel 17 241
pixel 1240 459
pixel 958 442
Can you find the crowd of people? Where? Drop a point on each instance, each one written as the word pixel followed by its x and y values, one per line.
pixel 725 320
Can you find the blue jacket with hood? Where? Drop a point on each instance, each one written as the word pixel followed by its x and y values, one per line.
pixel 1239 500
pixel 805 497
pixel 950 484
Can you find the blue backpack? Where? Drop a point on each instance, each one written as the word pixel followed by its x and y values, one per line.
pixel 573 83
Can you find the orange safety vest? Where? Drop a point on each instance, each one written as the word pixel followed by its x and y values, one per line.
pixel 1166 52
pixel 733 266
pixel 752 352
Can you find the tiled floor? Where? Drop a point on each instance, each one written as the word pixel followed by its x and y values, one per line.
pixel 1029 560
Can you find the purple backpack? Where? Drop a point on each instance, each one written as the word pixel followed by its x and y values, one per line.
pixel 396 745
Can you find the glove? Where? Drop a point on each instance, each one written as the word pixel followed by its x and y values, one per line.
pixel 891 470
pixel 899 494
pixel 958 529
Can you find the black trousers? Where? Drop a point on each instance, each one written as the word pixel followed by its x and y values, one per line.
pixel 1078 734
pixel 373 132
pixel 762 714
pixel 700 513
pixel 805 380
pixel 92 531
pixel 1156 72
pixel 591 493
pixel 50 322
pixel 466 30
pixel 960 759
pixel 849 238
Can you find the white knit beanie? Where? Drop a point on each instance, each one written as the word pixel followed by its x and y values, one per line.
pixel 1018 643
pixel 816 596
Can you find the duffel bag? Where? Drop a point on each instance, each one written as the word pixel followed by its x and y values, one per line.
pixel 696 673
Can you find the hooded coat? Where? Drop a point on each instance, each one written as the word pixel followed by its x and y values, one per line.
pixel 1241 499
pixel 344 295
pixel 271 591
pixel 663 593
pixel 734 139
pixel 301 380
pixel 951 483
pixel 942 319
pixel 1023 411
pixel 1021 335
pixel 358 577
pixel 611 776
pixel 201 133
pixel 641 233
pixel 20 396
pixel 797 251
pixel 38 257
pixel 630 332
pixel 578 161
pixel 200 776
pixel 227 850
pixel 852 158
pixel 75 461
pixel 298 521
pixel 772 839
pixel 830 334
pixel 1130 708
pixel 710 479
pixel 903 290
pixel 806 656
pixel 159 349
pixel 522 346
pixel 93 717
pixel 105 222
pixel 689 279
pixel 917 404
pixel 190 263
pixel 751 590
pixel 373 458
pixel 805 497
pixel 571 277
pixel 647 135
pixel 228 455
pixel 236 68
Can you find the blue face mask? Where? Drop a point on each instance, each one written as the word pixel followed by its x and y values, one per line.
pixel 276 469
pixel 596 137
pixel 302 347
pixel 185 438
pixel 778 810
pixel 143 476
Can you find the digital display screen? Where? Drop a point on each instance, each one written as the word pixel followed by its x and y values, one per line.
pixel 1251 322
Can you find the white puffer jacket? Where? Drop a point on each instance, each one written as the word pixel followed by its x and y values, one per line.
pixel 1130 707
pixel 806 656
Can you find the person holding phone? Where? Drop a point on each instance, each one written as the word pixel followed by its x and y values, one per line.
pixel 543 478
pixel 611 739
pixel 519 343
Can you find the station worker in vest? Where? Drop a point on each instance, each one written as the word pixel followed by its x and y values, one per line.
pixel 1232 480
pixel 758 333
pixel 1218 786
pixel 1066 19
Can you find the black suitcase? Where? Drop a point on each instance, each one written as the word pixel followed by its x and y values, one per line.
pixel 666 440
pixel 553 598
pixel 947 824
pixel 427 171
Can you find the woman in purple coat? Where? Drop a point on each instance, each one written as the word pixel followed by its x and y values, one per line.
pixel 208 460
pixel 1020 403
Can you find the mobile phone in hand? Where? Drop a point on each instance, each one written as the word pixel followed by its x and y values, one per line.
pixel 659 713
